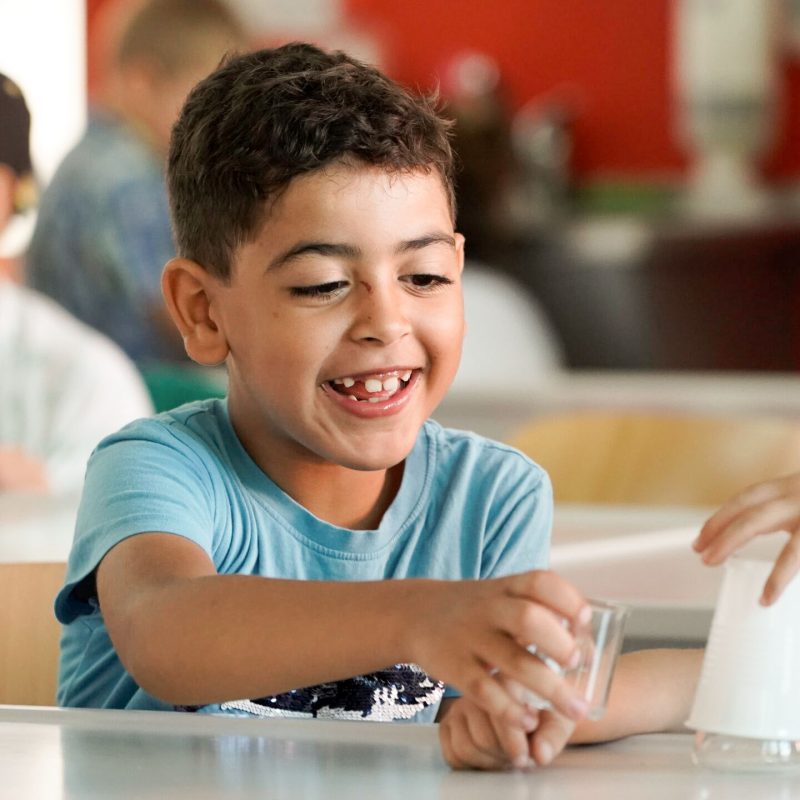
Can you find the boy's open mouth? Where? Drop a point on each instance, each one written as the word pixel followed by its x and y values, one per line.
pixel 372 388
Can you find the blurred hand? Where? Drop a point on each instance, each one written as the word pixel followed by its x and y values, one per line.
pixel 474 635
pixel 764 508
pixel 20 472
pixel 472 739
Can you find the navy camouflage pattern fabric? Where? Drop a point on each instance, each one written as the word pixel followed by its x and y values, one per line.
pixel 395 693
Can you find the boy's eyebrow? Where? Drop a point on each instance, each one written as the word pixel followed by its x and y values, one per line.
pixel 319 248
pixel 425 241
pixel 350 251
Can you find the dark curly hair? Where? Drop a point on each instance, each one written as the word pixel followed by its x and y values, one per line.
pixel 264 118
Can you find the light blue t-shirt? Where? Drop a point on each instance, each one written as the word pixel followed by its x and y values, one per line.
pixel 467 507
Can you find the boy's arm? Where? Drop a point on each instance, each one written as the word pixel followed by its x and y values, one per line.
pixel 652 692
pixel 190 636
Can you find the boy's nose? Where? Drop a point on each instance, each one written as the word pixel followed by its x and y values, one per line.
pixel 380 314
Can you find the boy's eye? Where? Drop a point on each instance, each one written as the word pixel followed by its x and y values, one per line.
pixel 320 290
pixel 426 281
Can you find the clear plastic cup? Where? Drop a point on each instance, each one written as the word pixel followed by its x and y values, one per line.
pixel 599 643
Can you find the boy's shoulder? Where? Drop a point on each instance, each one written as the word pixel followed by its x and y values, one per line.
pixel 197 426
pixel 459 447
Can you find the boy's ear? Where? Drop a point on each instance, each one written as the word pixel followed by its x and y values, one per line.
pixel 189 291
pixel 460 242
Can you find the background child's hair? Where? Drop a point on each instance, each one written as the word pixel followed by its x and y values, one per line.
pixel 264 118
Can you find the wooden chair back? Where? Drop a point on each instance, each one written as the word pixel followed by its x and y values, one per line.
pixel 625 458
pixel 29 632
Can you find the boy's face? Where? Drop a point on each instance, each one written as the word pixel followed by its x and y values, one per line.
pixel 344 318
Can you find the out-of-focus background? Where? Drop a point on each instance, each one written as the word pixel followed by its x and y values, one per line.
pixel 635 166
pixel 629 188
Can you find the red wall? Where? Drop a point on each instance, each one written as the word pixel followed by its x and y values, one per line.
pixel 613 55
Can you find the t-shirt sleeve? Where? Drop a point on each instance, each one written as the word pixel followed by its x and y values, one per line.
pixel 518 539
pixel 142 479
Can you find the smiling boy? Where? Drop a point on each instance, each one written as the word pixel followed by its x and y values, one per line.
pixel 314 545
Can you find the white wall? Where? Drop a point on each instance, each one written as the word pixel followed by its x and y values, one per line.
pixel 43 49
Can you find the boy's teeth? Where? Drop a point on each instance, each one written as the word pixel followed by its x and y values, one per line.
pixel 374 385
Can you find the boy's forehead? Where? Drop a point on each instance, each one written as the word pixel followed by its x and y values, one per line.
pixel 331 179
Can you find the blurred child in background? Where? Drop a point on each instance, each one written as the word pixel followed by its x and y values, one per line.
pixel 63 386
pixel 103 233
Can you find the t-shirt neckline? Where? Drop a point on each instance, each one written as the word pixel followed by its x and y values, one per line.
pixel 317 533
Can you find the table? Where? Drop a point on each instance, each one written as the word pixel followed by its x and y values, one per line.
pixel 61 754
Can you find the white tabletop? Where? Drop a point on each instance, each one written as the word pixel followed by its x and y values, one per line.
pixel 57 754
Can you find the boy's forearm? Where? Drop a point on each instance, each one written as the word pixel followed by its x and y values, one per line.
pixel 652 692
pixel 191 643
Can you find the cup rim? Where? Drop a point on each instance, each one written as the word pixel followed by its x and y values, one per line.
pixel 609 605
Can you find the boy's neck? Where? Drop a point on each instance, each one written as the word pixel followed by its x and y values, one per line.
pixel 344 497
pixel 348 498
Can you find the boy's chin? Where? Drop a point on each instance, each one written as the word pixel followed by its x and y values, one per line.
pixel 363 464
pixel 375 451
pixel 383 459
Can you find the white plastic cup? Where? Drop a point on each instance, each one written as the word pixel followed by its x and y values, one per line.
pixel 599 643
pixel 749 685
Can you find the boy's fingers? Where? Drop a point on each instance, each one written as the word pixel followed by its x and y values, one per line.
pixel 517 664
pixel 550 737
pixel 529 623
pixel 513 743
pixel 467 755
pixel 450 756
pixel 786 567
pixel 485 690
pixel 483 733
pixel 551 591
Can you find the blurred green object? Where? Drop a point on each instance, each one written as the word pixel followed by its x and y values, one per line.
pixel 171 385
pixel 627 197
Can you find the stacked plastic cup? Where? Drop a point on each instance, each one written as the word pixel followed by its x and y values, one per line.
pixel 747 704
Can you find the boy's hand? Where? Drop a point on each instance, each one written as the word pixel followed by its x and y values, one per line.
pixel 474 635
pixel 472 739
pixel 760 509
